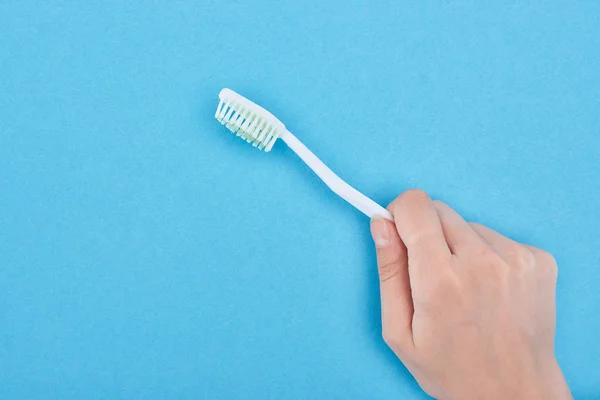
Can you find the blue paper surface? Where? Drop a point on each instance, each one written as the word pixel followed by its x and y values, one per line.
pixel 145 252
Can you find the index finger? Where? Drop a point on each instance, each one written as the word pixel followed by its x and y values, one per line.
pixel 419 227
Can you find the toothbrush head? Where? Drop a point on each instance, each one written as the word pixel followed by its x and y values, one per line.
pixel 248 120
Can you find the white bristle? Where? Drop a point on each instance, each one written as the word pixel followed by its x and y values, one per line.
pixel 248 120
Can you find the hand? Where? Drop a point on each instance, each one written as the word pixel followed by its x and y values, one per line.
pixel 469 312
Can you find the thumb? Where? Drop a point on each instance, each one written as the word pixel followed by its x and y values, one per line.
pixel 396 299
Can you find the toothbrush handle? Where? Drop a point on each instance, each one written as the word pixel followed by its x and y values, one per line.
pixel 335 183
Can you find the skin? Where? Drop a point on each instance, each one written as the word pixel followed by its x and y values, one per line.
pixel 470 313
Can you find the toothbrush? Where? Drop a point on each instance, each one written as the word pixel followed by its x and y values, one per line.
pixel 260 128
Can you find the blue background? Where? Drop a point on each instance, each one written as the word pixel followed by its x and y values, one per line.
pixel 145 252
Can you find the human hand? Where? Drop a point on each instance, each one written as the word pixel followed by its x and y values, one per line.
pixel 470 313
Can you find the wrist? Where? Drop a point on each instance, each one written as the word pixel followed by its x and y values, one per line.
pixel 548 383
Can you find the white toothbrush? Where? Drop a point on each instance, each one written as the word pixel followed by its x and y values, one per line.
pixel 259 127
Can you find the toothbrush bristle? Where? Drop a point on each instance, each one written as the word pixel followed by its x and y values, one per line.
pixel 248 120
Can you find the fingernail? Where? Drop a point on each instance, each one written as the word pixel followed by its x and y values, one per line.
pixel 380 232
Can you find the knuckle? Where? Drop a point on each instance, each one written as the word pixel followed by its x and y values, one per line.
pixel 388 270
pixel 520 256
pixel 547 263
pixel 546 257
pixel 416 195
pixel 410 198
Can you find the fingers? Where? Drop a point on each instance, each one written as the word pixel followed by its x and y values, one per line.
pixel 396 300
pixel 419 227
pixel 512 252
pixel 459 235
pixel 544 261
